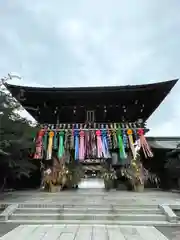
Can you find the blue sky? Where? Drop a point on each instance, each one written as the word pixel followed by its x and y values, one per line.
pixel 88 42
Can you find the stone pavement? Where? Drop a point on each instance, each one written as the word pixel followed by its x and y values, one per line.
pixel 98 196
pixel 92 197
pixel 76 232
pixel 172 233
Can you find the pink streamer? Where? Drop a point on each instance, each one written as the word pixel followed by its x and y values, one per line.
pixel 81 146
pixel 144 144
pixel 100 153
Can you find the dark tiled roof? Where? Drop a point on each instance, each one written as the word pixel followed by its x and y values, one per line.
pixel 122 102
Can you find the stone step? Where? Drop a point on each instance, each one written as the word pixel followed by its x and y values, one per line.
pixel 66 204
pixel 89 210
pixel 88 216
pixel 94 222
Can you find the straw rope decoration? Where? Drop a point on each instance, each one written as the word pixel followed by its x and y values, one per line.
pixel 68 142
pixel 71 132
pixel 93 145
pixel 50 145
pixel 145 146
pixel 114 137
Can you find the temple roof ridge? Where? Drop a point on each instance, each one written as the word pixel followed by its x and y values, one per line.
pixel 111 87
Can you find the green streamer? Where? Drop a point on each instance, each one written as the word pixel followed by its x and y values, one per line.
pixel 55 142
pixel 120 144
pixel 61 144
pixel 45 141
pixel 34 135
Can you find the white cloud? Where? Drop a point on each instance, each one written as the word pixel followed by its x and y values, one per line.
pixel 77 43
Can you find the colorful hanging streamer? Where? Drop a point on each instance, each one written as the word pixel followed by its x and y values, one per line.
pixel 81 146
pixel 39 145
pixel 50 146
pixel 122 153
pixel 76 137
pixel 125 139
pixel 145 146
pixel 131 142
pixel 100 153
pixel 91 143
pixel 105 144
pixel 109 140
pixel 61 144
pixel 45 140
pixel 55 141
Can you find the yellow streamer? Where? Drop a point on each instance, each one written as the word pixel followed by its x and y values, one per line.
pixel 50 144
pixel 131 143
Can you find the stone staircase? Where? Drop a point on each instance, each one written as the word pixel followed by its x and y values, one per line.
pixel 91 206
pixel 87 214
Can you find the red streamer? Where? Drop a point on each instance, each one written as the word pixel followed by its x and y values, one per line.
pixel 39 145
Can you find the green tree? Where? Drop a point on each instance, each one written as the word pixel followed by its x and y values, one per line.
pixel 16 139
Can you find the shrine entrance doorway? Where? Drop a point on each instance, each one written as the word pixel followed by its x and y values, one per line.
pixel 93 176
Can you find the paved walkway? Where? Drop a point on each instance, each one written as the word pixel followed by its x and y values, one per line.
pixel 92 183
pixel 97 197
pixel 76 232
pixel 92 196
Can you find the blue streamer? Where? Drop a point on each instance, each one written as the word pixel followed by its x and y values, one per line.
pixel 105 143
pixel 76 137
pixel 125 139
